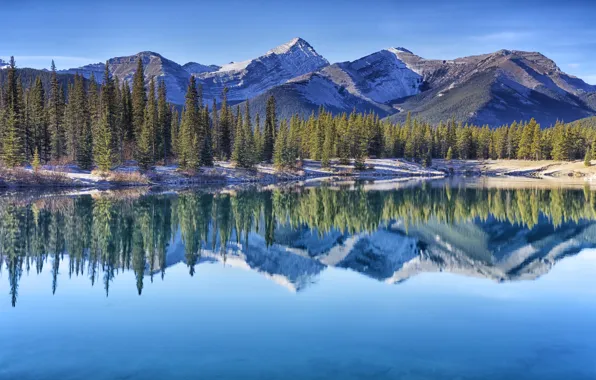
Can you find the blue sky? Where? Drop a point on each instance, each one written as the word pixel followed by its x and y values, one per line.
pixel 219 31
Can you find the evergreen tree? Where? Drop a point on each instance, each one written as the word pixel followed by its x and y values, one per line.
pixel 36 162
pixel 55 116
pixel 536 149
pixel 327 148
pixel 81 128
pixel 139 98
pixel 38 122
pixel 146 143
pixel 206 149
pixel 163 122
pixel 280 155
pixel 12 143
pixel 269 130
pixel 187 135
pixel 174 129
pixel 449 155
pixel 588 157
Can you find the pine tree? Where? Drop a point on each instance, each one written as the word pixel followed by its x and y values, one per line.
pixel 36 162
pixel 279 153
pixel 187 135
pixel 269 130
pixel 174 129
pixel 449 155
pixel 226 128
pixel 139 98
pixel 163 122
pixel 105 142
pixel 12 143
pixel 207 148
pixel 146 143
pixel 38 122
pixel 102 148
pixel 55 118
pixel 536 141
pixel 82 122
pixel 588 157
pixel 327 148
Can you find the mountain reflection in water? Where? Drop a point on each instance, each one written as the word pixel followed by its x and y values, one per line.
pixel 293 234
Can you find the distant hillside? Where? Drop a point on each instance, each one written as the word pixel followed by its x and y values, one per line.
pixel 28 77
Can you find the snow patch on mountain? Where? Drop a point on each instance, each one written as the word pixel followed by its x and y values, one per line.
pixel 247 79
pixel 3 64
pixel 198 68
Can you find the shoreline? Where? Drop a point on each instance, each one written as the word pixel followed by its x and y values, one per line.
pixel 223 173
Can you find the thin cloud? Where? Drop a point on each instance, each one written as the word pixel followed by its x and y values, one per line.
pixel 573 65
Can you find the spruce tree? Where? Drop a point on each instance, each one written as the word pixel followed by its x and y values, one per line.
pixel 280 149
pixel 269 130
pixel 588 157
pixel 146 142
pixel 163 122
pixel 38 121
pixel 139 98
pixel 55 118
pixel 449 155
pixel 207 148
pixel 82 124
pixel 12 143
pixel 187 135
pixel 174 129
pixel 102 147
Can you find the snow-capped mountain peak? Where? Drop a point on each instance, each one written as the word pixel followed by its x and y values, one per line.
pixel 252 77
pixel 295 43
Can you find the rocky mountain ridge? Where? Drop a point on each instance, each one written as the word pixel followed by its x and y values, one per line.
pixel 491 89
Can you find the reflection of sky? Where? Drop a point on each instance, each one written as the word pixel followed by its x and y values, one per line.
pixel 230 322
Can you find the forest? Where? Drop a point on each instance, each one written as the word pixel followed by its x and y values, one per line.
pixel 103 235
pixel 105 125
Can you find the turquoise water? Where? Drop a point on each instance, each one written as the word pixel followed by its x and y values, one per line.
pixel 316 283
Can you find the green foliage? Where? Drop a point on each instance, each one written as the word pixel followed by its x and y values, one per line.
pixel 588 157
pixel 36 162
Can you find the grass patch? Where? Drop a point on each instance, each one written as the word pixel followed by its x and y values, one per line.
pixel 23 177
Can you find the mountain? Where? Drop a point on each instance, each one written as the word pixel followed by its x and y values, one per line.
pixel 496 88
pixel 250 78
pixel 244 79
pixel 3 64
pixel 488 89
pixel 367 84
pixel 197 68
pixel 155 65
pixel 491 89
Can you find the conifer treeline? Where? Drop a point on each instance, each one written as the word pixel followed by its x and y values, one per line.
pixel 109 124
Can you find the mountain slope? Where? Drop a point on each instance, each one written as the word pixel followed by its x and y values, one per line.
pixel 155 65
pixel 365 85
pixel 197 68
pixel 308 93
pixel 496 88
pixel 251 78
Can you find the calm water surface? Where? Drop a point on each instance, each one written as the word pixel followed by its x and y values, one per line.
pixel 422 281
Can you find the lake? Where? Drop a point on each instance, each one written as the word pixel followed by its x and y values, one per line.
pixel 387 280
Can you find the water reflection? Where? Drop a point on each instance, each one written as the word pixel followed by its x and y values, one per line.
pixel 293 234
